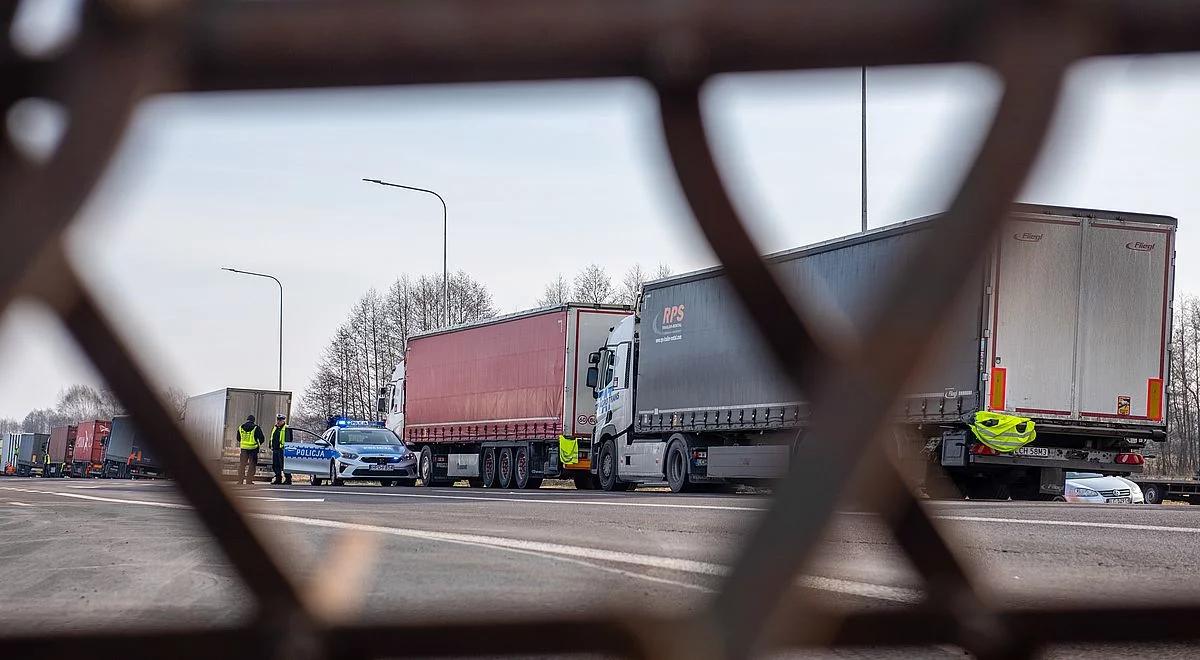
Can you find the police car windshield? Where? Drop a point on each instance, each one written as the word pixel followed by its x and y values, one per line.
pixel 367 437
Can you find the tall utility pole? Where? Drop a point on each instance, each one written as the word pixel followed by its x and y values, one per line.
pixel 272 277
pixel 445 273
pixel 864 148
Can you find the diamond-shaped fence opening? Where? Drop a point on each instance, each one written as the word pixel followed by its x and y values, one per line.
pixel 125 51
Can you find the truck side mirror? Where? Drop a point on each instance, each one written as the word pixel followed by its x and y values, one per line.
pixel 594 357
pixel 593 376
pixel 381 404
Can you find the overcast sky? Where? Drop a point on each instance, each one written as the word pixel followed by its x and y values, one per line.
pixel 539 179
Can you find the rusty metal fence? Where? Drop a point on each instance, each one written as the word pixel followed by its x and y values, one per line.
pixel 127 50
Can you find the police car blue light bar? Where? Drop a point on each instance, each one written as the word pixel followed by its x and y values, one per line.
pixel 344 422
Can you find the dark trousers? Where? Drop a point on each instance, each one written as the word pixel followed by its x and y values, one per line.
pixel 247 464
pixel 277 465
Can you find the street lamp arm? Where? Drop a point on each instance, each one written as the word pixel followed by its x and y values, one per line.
pixel 445 241
pixel 280 285
pixel 246 272
pixel 398 185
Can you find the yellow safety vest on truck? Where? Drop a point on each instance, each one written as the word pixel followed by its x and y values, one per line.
pixel 568 450
pixel 1004 433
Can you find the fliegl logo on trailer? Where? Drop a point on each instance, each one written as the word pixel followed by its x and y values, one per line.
pixel 1138 246
pixel 669 324
pixel 1027 237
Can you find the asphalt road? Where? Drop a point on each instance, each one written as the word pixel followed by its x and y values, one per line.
pixel 82 554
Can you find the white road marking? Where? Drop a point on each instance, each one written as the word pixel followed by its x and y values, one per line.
pixel 283 499
pixel 556 550
pixel 1074 523
pixel 20 504
pixel 528 500
pixel 95 498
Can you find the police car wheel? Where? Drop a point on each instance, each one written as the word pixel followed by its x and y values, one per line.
pixel 333 478
pixel 505 468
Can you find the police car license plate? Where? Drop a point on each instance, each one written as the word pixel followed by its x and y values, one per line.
pixel 379 466
pixel 1043 452
pixel 1119 500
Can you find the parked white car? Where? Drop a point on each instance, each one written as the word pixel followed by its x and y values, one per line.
pixel 1097 488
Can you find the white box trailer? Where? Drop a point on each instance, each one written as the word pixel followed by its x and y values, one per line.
pixel 1080 320
pixel 212 420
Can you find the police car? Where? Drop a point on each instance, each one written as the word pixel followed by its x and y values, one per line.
pixel 351 449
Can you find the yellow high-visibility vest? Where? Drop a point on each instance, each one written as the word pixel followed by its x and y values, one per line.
pixel 247 439
pixel 568 450
pixel 1004 433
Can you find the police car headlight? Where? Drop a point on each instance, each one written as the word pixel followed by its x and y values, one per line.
pixel 349 454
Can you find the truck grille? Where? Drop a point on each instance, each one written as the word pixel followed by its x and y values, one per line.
pixel 1116 492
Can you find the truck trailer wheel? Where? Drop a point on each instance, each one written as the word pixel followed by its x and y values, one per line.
pixel 1153 493
pixel 504 468
pixel 608 467
pixel 521 468
pixel 677 468
pixel 426 467
pixel 487 468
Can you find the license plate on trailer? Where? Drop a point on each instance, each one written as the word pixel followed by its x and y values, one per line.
pixel 379 466
pixel 1119 500
pixel 1042 452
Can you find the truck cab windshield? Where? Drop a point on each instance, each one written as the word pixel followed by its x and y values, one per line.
pixel 367 437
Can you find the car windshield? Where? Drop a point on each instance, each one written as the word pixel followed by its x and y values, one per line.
pixel 367 437
pixel 1083 475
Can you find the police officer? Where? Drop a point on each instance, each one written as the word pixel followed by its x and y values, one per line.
pixel 250 438
pixel 280 436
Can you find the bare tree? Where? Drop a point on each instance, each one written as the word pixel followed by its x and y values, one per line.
pixel 631 285
pixel 176 398
pixel 593 285
pixel 9 425
pixel 372 340
pixel 662 271
pixel 556 292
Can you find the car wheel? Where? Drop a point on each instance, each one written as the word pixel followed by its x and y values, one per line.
pixel 677 468
pixel 488 468
pixel 504 468
pixel 1152 494
pixel 334 480
pixel 608 466
pixel 521 468
pixel 1058 498
pixel 426 467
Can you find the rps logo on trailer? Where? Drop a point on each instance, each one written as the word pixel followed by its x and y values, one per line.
pixel 1138 246
pixel 669 324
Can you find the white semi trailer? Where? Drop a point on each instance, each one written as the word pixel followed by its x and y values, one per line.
pixel 1066 322
pixel 212 419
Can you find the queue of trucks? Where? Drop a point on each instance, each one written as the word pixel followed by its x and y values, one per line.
pixel 1065 324
pixel 95 448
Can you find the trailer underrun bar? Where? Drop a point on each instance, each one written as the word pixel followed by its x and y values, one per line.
pixel 126 51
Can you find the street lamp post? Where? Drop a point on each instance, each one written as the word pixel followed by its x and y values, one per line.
pixel 445 272
pixel 246 272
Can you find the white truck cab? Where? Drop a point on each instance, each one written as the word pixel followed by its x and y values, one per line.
pixel 391 400
pixel 621 456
